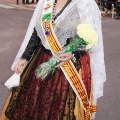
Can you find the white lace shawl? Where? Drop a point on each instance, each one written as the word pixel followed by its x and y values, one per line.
pixel 77 12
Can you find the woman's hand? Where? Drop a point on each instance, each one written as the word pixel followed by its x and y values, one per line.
pixel 21 66
pixel 65 57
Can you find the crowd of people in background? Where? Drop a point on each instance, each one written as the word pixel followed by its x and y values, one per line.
pixel 107 5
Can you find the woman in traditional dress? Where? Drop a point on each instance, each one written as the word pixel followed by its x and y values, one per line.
pixel 65 97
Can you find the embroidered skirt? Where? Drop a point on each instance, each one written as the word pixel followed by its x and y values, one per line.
pixel 44 100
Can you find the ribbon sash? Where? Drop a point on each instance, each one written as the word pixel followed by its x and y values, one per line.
pixel 68 68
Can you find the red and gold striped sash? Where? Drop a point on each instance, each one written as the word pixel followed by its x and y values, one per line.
pixel 68 68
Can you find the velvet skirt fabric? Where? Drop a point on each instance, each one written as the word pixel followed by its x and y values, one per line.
pixel 45 100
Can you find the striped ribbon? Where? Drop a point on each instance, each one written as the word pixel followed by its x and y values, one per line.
pixel 68 68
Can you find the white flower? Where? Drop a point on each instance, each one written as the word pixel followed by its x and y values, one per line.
pixel 86 32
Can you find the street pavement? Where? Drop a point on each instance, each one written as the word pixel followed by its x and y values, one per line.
pixel 13 26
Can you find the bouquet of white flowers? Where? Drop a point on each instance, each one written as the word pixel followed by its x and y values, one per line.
pixel 86 37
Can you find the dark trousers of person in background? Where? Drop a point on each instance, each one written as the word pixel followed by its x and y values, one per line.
pixel 25 1
pixel 117 10
pixel 33 1
pixel 103 2
pixel 108 6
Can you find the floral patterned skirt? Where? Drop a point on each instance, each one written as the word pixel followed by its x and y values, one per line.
pixel 45 100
